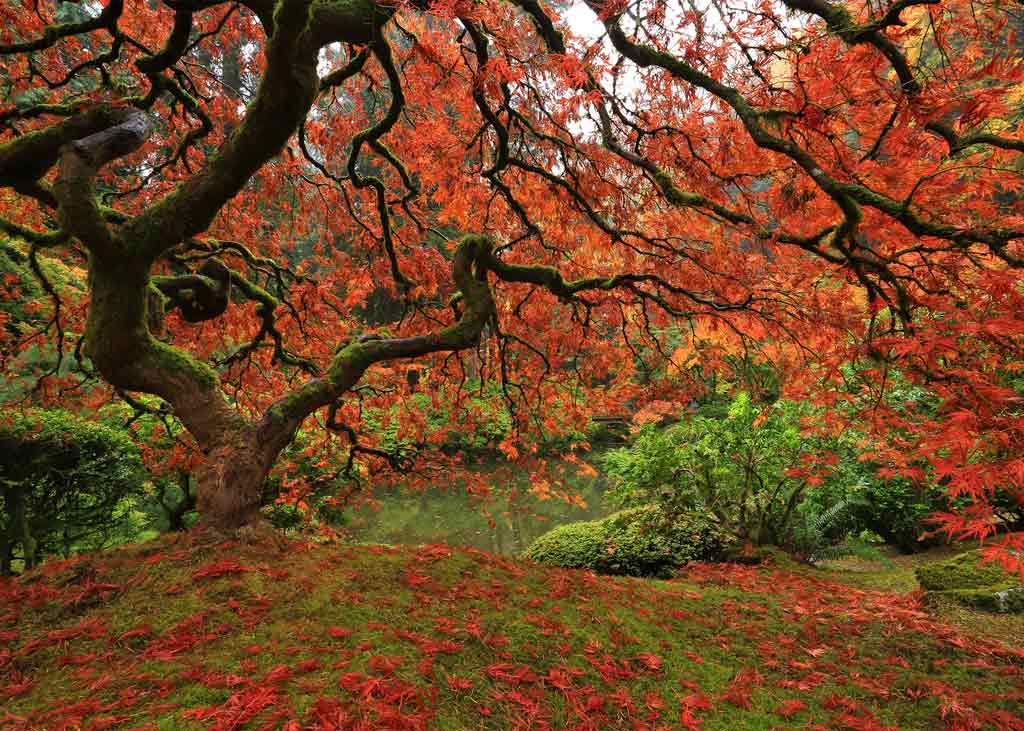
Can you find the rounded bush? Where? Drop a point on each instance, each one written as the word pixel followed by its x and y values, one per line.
pixel 569 546
pixel 967 580
pixel 636 542
pixel 966 571
pixel 1007 600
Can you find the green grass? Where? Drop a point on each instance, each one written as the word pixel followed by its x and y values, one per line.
pixel 177 634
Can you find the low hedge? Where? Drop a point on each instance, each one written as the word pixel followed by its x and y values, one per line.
pixel 966 580
pixel 965 571
pixel 1008 599
pixel 635 542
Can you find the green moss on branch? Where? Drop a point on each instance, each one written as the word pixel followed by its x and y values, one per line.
pixel 469 270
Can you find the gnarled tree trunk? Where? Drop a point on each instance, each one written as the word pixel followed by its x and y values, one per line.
pixel 230 483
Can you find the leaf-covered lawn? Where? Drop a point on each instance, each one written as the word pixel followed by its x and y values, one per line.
pixel 175 635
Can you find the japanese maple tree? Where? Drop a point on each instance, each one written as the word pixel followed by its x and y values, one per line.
pixel 275 201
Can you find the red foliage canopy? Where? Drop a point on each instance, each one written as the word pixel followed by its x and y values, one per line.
pixel 618 188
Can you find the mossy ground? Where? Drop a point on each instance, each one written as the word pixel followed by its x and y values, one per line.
pixel 182 634
pixel 898 574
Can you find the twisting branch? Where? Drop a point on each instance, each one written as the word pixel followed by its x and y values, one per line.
pixel 79 212
pixel 201 296
pixel 371 135
pixel 349 364
pixel 552 280
pixel 117 337
pixel 841 24
pixel 53 33
pixel 173 50
pixel 26 159
pixel 397 460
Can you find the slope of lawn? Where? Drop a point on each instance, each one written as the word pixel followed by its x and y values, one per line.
pixel 896 573
pixel 192 635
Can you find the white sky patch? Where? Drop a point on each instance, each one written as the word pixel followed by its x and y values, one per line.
pixel 583 21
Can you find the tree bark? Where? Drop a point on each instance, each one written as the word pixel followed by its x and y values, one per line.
pixel 9 538
pixel 230 483
pixel 22 527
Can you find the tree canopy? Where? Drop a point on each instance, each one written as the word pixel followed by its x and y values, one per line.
pixel 280 203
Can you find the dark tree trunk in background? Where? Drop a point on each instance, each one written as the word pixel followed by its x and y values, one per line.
pixel 176 515
pixel 20 531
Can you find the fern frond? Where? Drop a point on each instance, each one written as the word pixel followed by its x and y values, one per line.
pixel 851 548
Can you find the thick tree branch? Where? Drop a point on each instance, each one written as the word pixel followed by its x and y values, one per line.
pixel 841 24
pixel 79 212
pixel 199 297
pixel 552 280
pixel 285 95
pixel 53 33
pixel 117 335
pixel 25 159
pixel 352 361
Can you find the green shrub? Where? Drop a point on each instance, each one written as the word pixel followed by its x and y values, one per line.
pixel 894 508
pixel 637 542
pixel 819 534
pixel 965 571
pixel 899 511
pixel 66 484
pixel 741 468
pixel 892 505
pixel 569 546
pixel 966 580
pixel 1009 599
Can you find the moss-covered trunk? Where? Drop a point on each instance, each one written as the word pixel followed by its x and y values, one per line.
pixel 230 482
